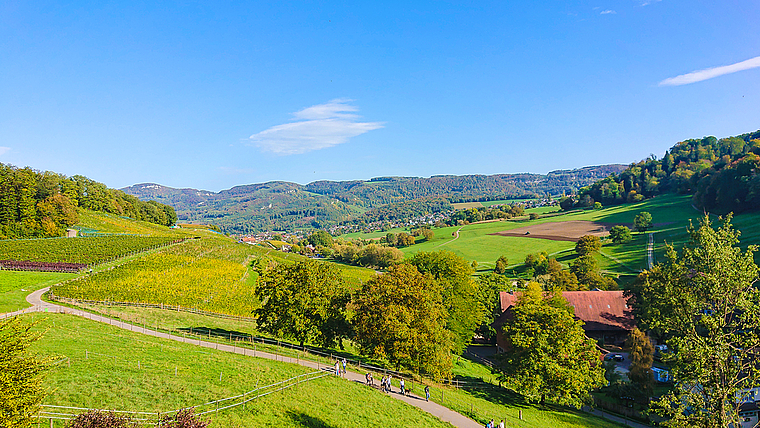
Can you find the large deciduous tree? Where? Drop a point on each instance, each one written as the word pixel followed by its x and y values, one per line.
pixel 643 221
pixel 461 294
pixel 400 317
pixel 705 299
pixel 548 355
pixel 620 234
pixel 20 374
pixel 305 301
pixel 588 244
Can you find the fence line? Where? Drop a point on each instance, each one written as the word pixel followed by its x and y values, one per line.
pixel 177 308
pixel 152 418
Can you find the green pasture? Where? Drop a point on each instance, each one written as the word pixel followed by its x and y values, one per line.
pixel 15 286
pixel 373 235
pixel 158 357
pixel 475 243
pixel 98 368
pixel 543 210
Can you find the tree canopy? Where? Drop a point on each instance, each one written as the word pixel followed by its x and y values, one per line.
pixel 705 299
pixel 548 355
pixel 588 244
pixel 643 221
pixel 620 234
pixel 21 374
pixel 305 301
pixel 400 317
pixel 461 296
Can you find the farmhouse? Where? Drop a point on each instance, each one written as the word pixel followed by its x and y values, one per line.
pixel 606 315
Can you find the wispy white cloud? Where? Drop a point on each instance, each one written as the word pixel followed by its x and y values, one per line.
pixel 709 73
pixel 648 2
pixel 4 150
pixel 607 12
pixel 316 127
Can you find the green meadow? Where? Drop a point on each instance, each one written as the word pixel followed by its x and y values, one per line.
pixel 15 286
pixel 671 215
pixel 98 368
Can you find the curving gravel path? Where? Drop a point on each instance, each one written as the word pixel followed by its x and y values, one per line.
pixel 38 305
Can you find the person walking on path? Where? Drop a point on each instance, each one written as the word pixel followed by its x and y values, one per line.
pixel 344 366
pixel 337 368
pixel 427 393
pixel 390 384
pixel 501 424
pixel 402 384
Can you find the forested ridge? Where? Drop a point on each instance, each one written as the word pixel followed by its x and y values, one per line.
pixel 36 204
pixel 280 205
pixel 722 174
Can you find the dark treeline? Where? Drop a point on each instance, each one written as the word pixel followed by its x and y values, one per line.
pixel 722 174
pixel 35 204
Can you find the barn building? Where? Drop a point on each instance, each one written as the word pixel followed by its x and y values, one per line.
pixel 606 315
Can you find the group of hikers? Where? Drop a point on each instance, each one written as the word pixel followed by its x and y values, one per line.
pixel 386 384
pixel 492 424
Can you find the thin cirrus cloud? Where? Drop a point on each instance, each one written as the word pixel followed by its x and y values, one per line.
pixel 607 12
pixel 4 150
pixel 709 73
pixel 314 128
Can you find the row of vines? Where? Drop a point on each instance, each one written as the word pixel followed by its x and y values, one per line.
pixel 86 250
pixel 207 274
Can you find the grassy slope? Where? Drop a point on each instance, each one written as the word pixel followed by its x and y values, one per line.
pixel 15 286
pixel 110 378
pixel 481 405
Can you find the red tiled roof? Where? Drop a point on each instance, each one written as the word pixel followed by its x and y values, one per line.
pixel 600 310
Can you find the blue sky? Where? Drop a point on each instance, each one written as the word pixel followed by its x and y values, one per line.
pixel 211 94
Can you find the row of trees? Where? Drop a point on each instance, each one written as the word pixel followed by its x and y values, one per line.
pixel 413 316
pixel 36 204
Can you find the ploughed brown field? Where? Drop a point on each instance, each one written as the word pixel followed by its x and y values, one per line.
pixel 561 231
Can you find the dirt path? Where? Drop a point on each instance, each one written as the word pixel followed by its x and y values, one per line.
pixel 38 305
pixel 456 236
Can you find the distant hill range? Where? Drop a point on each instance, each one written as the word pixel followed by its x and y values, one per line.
pixel 279 205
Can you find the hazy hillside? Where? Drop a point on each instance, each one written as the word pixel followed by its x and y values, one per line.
pixel 279 205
